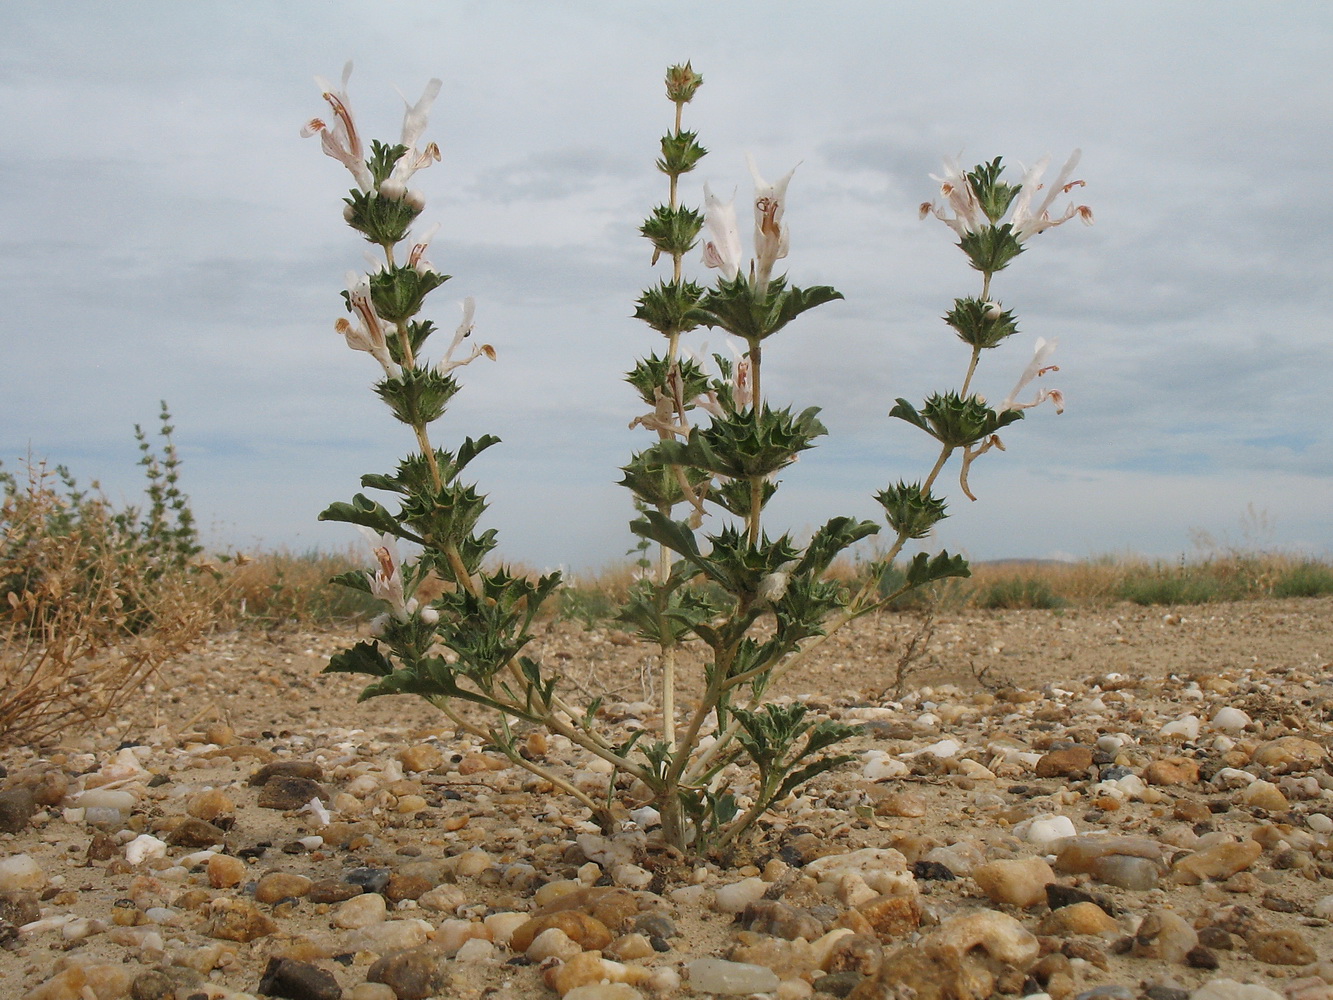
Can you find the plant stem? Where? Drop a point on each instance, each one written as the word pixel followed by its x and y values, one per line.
pixel 757 406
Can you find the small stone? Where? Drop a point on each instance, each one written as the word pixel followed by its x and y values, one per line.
pixel 225 871
pixel 1020 882
pixel 402 887
pixel 1126 872
pixel 208 805
pixel 628 947
pixel 1218 862
pixel 1283 946
pixel 237 920
pixel 102 847
pixel 281 885
pixel 1289 754
pixel 284 977
pixel 590 968
pixel 287 769
pixel 388 936
pixel 361 911
pixel 422 757
pixel 153 985
pixel 1229 989
pixel 19 871
pixel 1070 762
pixel 616 908
pixel 734 898
pixel 1058 895
pixel 1171 771
pixel 552 943
pixel 839 984
pixel 604 991
pixel 332 890
pixel 17 806
pixel 194 832
pixel 414 974
pixel 371 991
pixel 1264 795
pixel 289 793
pixel 19 907
pixel 910 805
pixel 891 917
pixel 1200 957
pixel 1165 935
pixel 589 933
pixel 1086 918
pixel 1078 854
pixel 772 916
pixel 715 975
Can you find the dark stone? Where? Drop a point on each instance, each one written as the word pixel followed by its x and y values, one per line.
pixel 16 808
pixel 369 879
pixel 1200 957
pixel 196 832
pixel 19 907
pixel 413 974
pixel 286 793
pixel 158 780
pixel 1165 993
pixel 287 769
pixel 1278 904
pixel 653 924
pixel 102 847
pixel 932 871
pixel 838 984
pixel 1065 895
pixel 1114 773
pixel 332 890
pixel 1216 938
pixel 293 980
pixel 250 853
pixel 659 944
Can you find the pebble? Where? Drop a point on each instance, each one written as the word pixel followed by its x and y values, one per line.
pixel 20 871
pixel 715 975
pixel 360 911
pixel 1021 882
pixel 1217 862
pixel 1229 989
pixel 413 974
pixel 1282 946
pixel 17 806
pixel 284 977
pixel 737 896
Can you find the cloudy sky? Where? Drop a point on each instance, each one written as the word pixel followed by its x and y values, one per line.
pixel 166 234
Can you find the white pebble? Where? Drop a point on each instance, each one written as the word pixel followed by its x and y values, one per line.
pixel 1186 726
pixel 143 847
pixel 1229 719
pixel 1319 823
pixel 1041 830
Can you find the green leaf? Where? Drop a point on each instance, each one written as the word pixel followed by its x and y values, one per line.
pixel 669 307
pixel 735 307
pixel 911 512
pixel 673 231
pixel 980 324
pixel 364 511
pixel 417 396
pixel 397 292
pixel 363 658
pixel 925 569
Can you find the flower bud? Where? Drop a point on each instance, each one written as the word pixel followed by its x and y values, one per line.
pixel 429 616
pixel 396 190
pixel 681 83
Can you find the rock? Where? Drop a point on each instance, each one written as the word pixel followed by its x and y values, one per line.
pixel 195 832
pixel 1283 946
pixel 294 980
pixel 589 933
pixel 1165 935
pixel 413 974
pixel 388 936
pixel 371 991
pixel 1171 771
pixel 589 968
pixel 616 908
pixel 1229 720
pixel 443 898
pixel 17 806
pixel 604 991
pixel 360 911
pixel 225 871
pixel 1229 989
pixel 401 886
pixel 307 769
pixel 891 917
pixel 143 847
pixel 1126 872
pixel 19 907
pixel 1084 918
pixel 290 793
pixel 1217 862
pixel 209 804
pixel 332 890
pixel 422 757
pixel 237 920
pixel 552 943
pixel 1070 762
pixel 281 885
pixel 734 898
pixel 1021 882
pixel 772 916
pixel 962 959
pixel 1043 830
pixel 19 871
pixel 1077 855
pixel 715 975
pixel 1289 754
pixel 1264 795
pixel 910 805
pixel 153 985
pixel 839 984
pixel 630 946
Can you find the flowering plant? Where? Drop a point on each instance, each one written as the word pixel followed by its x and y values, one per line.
pixel 755 602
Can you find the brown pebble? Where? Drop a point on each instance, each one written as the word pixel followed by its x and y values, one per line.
pixel 1283 946
pixel 586 931
pixel 281 885
pixel 1171 771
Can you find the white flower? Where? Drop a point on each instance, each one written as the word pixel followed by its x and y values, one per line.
pixel 414 125
pixel 341 139
pixel 771 239
pixel 1028 221
pixel 386 582
pixel 722 245
pixel 447 363
pixel 956 188
pixel 367 334
pixel 1036 368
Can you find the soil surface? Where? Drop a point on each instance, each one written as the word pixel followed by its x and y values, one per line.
pixel 1202 841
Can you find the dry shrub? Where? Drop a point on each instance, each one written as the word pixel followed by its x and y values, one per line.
pixel 92 601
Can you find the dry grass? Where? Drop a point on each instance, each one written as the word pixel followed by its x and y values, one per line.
pixel 90 607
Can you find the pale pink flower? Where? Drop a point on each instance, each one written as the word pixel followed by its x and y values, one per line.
pixel 414 125
pixel 367 332
pixel 956 189
pixel 341 139
pixel 771 239
pixel 447 363
pixel 1036 368
pixel 1028 221
pixel 722 245
pixel 386 582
